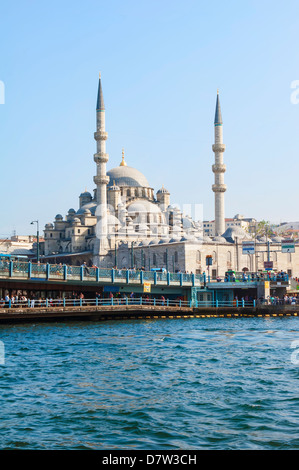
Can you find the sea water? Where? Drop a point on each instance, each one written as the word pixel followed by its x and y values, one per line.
pixel 197 383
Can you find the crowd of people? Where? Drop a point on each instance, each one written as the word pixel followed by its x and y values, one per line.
pixel 77 299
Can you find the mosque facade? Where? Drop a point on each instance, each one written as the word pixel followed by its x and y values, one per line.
pixel 125 223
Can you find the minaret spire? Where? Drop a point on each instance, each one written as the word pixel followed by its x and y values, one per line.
pixel 219 169
pixel 101 180
pixel 100 100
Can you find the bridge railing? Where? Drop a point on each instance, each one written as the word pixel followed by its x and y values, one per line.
pixel 82 302
pixel 16 269
pixel 250 277
pixel 117 301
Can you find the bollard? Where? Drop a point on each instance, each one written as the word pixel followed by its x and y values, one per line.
pixel 10 268
pixel 29 269
pixel 65 272
pixel 47 271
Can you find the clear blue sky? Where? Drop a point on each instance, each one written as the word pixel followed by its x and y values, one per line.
pixel 161 64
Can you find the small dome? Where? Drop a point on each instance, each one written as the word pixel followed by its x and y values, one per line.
pixel 114 187
pixel 233 233
pixel 164 240
pixel 162 190
pixel 144 243
pixel 174 240
pixel 58 217
pixel 71 211
pixel 86 194
pixel 49 225
pixel 155 241
pixel 86 212
pixel 112 220
pixel 76 221
pixel 277 239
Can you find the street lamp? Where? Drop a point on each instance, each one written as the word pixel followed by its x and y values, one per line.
pixel 37 238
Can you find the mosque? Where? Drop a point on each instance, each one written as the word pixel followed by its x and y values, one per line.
pixel 125 224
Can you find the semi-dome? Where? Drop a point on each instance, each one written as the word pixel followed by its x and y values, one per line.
pixel 142 205
pixel 219 239
pixel 277 239
pixel 91 206
pixel 127 176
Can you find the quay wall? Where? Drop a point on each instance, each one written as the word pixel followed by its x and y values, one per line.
pixel 125 312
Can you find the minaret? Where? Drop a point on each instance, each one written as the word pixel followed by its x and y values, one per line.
pixel 219 169
pixel 101 180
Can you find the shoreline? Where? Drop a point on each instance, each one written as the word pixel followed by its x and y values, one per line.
pixel 128 312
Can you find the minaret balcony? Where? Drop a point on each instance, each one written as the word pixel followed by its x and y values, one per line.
pixel 218 148
pixel 219 168
pixel 101 179
pixel 101 157
pixel 101 135
pixel 219 188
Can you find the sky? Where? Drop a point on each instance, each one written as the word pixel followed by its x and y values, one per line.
pixel 161 64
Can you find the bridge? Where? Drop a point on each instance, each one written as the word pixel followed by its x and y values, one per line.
pixel 15 270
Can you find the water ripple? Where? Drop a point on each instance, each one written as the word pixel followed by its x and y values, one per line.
pixel 160 384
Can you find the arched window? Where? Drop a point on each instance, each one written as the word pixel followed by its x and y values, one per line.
pixel 198 256
pixel 154 259
pixel 176 258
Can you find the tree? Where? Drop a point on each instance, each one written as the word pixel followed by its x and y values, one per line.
pixel 263 229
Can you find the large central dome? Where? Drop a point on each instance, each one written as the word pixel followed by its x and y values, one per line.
pixel 127 176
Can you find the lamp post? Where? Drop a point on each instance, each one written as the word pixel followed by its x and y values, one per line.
pixel 37 239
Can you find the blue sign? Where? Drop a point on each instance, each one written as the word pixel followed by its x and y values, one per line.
pixel 111 289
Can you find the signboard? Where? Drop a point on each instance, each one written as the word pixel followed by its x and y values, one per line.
pixel 111 289
pixel 146 287
pixel 268 264
pixel 248 248
pixel 288 246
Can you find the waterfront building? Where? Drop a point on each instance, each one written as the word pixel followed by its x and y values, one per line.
pixel 123 222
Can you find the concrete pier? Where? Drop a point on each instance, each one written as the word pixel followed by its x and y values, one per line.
pixel 125 312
